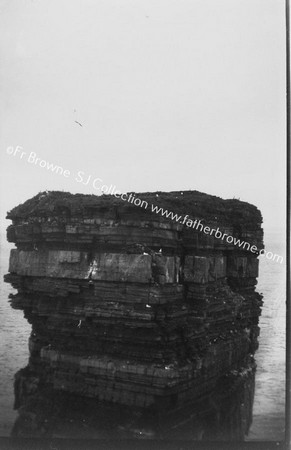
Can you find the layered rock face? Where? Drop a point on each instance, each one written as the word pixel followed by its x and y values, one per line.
pixel 149 323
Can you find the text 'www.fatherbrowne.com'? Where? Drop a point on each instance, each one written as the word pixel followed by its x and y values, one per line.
pixel 216 232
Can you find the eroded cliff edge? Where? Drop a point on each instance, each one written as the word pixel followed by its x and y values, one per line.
pixel 135 315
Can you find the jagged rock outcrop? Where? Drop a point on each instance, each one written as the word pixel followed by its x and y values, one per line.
pixel 135 311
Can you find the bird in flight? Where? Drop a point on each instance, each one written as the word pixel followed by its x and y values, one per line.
pixel 79 123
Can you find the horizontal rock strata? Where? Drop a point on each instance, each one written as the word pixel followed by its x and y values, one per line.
pixel 130 308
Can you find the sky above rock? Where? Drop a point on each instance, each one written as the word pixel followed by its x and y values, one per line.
pixel 144 95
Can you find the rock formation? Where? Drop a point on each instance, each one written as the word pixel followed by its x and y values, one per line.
pixel 141 325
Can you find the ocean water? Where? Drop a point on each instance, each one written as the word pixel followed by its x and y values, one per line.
pixel 269 404
pixel 14 334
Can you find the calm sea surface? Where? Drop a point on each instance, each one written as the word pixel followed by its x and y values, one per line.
pixel 269 405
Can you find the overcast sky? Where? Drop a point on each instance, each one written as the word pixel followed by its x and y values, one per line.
pixel 169 95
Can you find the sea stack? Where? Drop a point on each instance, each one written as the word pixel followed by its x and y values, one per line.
pixel 143 325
